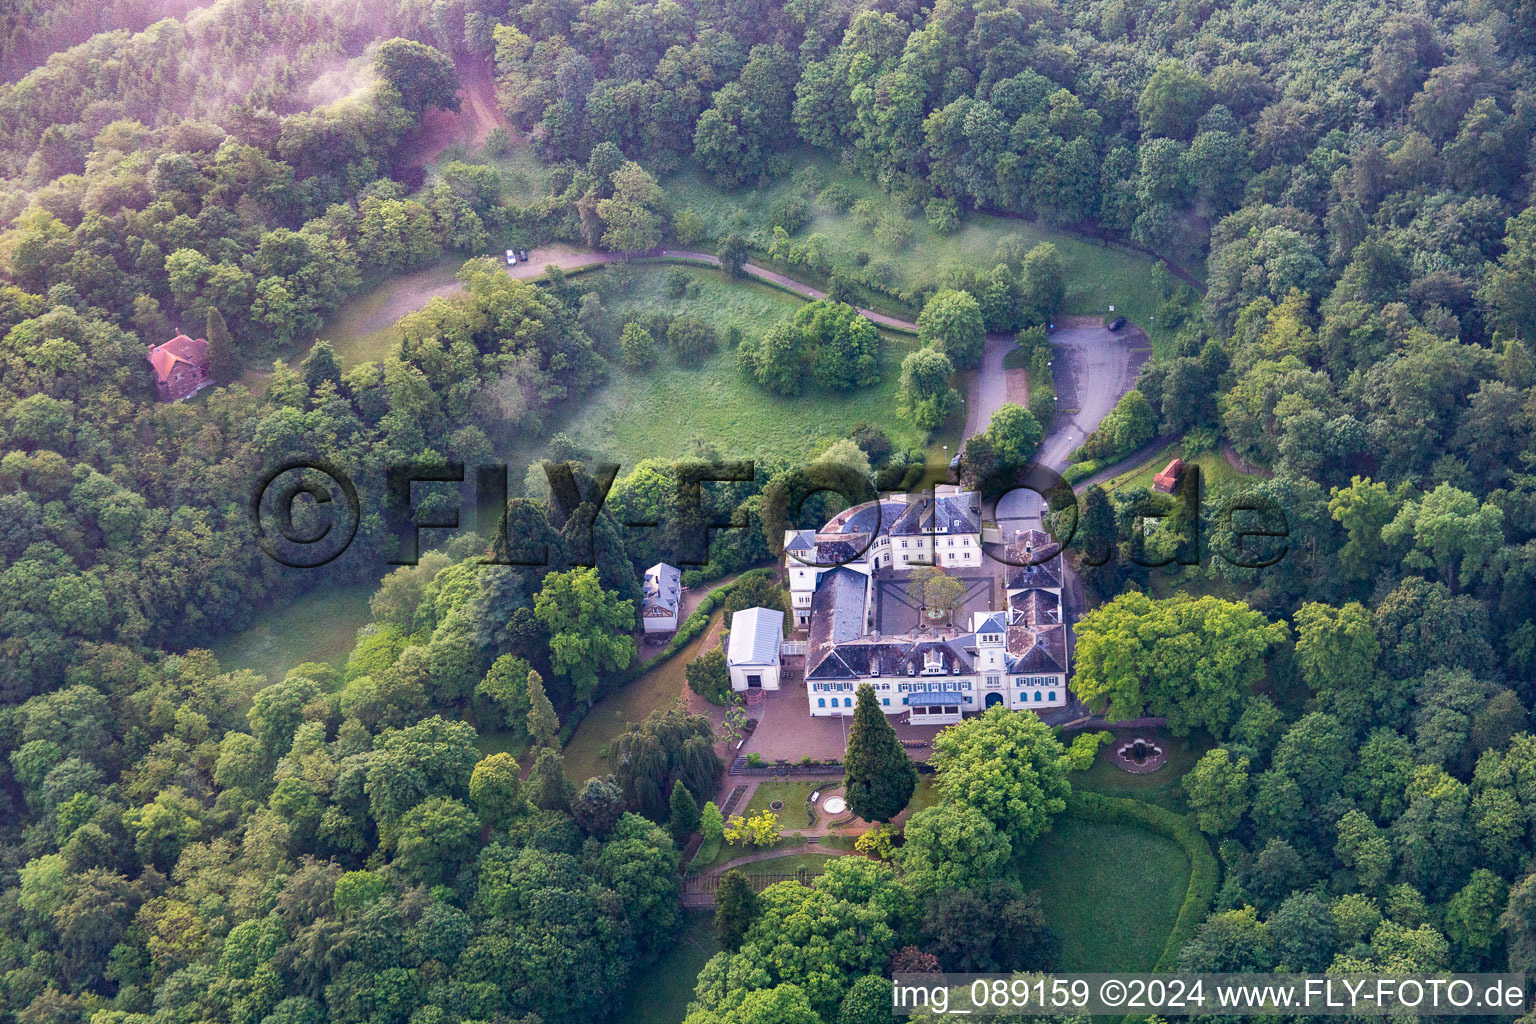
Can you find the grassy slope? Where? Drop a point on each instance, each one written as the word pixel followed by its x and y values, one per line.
pixel 658 688
pixel 1098 275
pixel 1110 891
pixel 1216 473
pixel 815 863
pixel 320 626
pixel 660 994
pixel 655 414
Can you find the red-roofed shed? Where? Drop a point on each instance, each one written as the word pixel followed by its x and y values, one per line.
pixel 1169 478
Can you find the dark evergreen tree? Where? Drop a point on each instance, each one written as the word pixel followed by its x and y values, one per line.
pixel 224 362
pixel 735 909
pixel 879 775
pixel 548 789
pixel 685 813
pixel 597 807
pixel 320 365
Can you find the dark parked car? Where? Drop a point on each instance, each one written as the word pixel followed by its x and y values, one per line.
pixel 1117 323
pixel 522 254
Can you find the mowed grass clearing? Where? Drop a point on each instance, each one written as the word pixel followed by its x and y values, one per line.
pixel 1099 275
pixel 1110 891
pixel 1160 787
pixel 789 864
pixel 1217 475
pixel 660 993
pixel 319 626
pixel 586 755
pixel 659 412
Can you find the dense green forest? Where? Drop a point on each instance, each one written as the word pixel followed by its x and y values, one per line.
pixel 1349 184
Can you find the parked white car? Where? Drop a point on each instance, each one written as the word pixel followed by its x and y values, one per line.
pixel 511 257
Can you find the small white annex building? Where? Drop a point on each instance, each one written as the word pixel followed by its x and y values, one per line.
pixel 752 656
pixel 662 599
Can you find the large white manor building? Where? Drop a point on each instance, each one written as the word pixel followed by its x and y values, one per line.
pixel 1008 645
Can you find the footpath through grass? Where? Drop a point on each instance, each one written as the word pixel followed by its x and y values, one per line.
pixel 660 993
pixel 1112 892
pixel 1099 275
pixel 587 753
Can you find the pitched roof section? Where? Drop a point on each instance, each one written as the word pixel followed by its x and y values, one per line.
pixel 1036 608
pixel 755 637
pixel 837 616
pixel 801 541
pixel 180 349
pixel 1037 649
pixel 991 622
pixel 663 589
pixel 1034 558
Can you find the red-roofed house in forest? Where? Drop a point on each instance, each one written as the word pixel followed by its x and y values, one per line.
pixel 181 367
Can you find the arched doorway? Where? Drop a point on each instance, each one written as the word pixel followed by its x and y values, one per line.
pixel 993 699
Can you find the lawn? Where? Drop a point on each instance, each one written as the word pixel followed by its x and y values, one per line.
pixel 1160 787
pixel 363 329
pixel 659 413
pixel 1110 891
pixel 660 993
pixel 586 754
pixel 924 796
pixel 814 863
pixel 320 626
pixel 1099 275
pixel 794 793
pixel 1217 476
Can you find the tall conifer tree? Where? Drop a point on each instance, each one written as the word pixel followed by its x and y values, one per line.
pixel 879 775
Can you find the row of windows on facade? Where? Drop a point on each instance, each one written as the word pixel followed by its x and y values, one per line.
pixel 948 684
pixel 1041 697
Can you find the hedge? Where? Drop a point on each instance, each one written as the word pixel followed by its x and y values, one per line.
pixel 1081 471
pixel 1204 874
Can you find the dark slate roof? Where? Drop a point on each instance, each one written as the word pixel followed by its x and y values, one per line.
pixel 957 513
pixel 838 552
pixel 800 542
pixel 1037 649
pixel 1033 577
pixel 997 622
pixel 960 513
pixel 872 517
pixel 837 616
pixel 950 513
pixel 1034 560
pixel 1036 608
